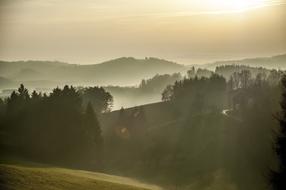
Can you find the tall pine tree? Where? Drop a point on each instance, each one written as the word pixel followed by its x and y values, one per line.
pixel 92 127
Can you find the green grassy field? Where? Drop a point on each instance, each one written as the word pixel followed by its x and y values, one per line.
pixel 20 177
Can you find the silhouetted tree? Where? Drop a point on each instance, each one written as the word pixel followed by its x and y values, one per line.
pixel 2 113
pixel 167 93
pixel 101 100
pixel 245 76
pixel 2 107
pixel 279 177
pixel 275 77
pixel 92 126
pixel 93 136
pixel 18 100
pixel 191 73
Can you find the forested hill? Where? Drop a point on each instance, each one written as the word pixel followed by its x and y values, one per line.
pixel 122 71
pixel 188 142
pixel 274 62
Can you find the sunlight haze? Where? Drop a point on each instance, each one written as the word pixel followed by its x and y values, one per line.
pixel 189 32
pixel 143 94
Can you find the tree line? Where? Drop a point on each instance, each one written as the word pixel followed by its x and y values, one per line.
pixel 193 142
pixel 61 127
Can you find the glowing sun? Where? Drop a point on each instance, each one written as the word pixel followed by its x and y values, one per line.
pixel 234 5
pixel 222 6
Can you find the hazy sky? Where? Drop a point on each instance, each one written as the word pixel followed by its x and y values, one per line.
pixel 187 31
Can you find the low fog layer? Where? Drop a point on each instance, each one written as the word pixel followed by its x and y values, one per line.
pixel 132 82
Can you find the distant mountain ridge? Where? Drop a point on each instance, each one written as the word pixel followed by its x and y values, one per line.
pixel 122 71
pixel 273 62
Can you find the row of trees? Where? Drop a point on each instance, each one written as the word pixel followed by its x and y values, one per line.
pixel 228 70
pixel 240 144
pixel 193 141
pixel 158 83
pixel 258 100
pixel 59 127
pixel 197 94
pixel 245 78
pixel 199 73
pixel 239 75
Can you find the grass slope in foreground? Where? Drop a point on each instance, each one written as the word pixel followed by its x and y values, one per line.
pixel 15 177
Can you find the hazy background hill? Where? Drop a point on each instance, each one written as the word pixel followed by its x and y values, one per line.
pixel 123 71
pixel 131 81
pixel 274 62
